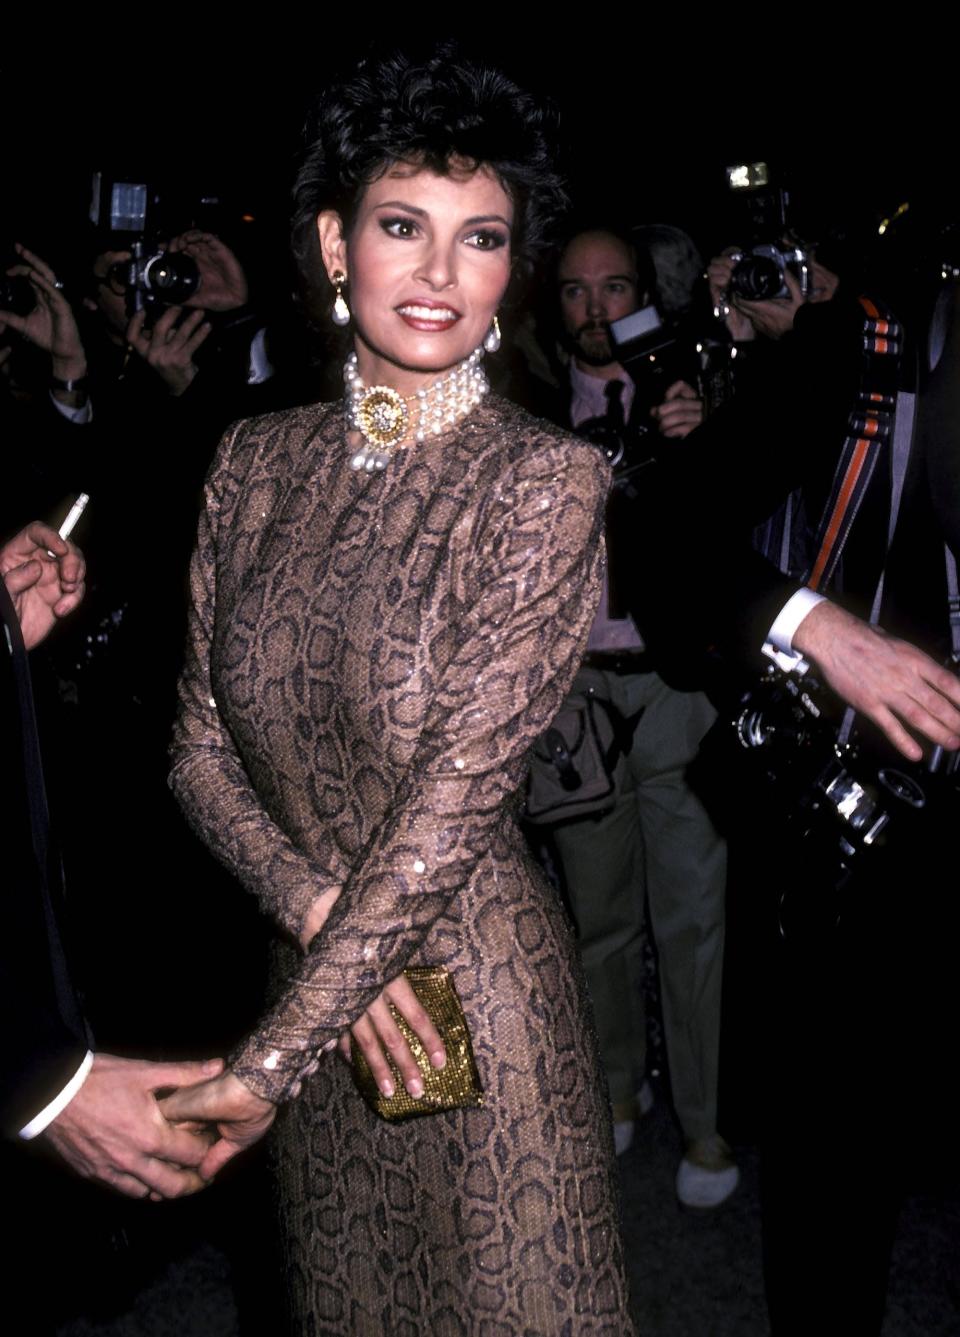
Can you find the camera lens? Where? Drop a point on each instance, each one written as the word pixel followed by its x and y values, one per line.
pixel 171 277
pixel 756 278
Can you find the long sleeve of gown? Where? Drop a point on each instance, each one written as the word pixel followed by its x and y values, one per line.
pixel 208 775
pixel 532 573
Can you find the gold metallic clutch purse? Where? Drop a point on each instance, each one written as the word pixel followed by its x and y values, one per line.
pixel 454 1086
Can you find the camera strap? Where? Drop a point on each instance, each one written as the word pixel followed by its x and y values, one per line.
pixel 870 428
pixel 902 441
pixel 881 415
pixel 905 417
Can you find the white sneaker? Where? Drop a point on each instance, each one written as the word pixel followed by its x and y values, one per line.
pixel 707 1174
pixel 624 1129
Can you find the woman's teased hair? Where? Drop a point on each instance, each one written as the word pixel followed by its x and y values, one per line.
pixel 441 113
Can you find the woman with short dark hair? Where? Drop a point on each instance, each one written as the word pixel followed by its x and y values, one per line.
pixel 391 596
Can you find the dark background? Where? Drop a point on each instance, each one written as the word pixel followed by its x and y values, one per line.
pixel 651 109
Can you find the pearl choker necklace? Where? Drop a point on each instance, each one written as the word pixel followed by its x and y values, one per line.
pixel 382 417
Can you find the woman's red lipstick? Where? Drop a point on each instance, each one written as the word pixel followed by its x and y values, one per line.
pixel 430 317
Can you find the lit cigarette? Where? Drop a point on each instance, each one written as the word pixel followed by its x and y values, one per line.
pixel 74 514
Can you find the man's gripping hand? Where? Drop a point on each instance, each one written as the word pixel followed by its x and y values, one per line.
pixel 223 284
pixel 51 324
pixel 113 1130
pixel 888 680
pixel 168 347
pixel 775 316
pixel 225 1102
pixel 680 412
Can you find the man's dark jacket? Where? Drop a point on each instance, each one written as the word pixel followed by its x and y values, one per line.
pixel 696 510
pixel 44 1037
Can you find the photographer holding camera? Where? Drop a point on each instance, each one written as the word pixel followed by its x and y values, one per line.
pixel 49 325
pixel 137 417
pixel 757 286
pixel 645 841
pixel 143 377
pixel 168 342
pixel 771 317
pixel 849 419
pixel 43 367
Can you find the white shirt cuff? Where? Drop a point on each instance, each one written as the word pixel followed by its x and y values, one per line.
pixel 779 643
pixel 259 366
pixel 59 1103
pixel 83 414
pixel 792 613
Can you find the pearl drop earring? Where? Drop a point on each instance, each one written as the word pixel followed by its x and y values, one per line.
pixel 491 341
pixel 340 315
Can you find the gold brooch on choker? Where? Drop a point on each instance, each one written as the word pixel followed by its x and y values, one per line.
pixel 382 417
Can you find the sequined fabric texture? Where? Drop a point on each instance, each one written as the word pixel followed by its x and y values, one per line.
pixel 370 659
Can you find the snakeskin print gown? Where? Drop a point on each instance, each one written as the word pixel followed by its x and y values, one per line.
pixel 370 658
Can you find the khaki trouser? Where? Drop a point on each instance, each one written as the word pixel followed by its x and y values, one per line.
pixel 658 843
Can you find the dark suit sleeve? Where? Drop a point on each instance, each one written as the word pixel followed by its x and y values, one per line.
pixel 40 1053
pixel 43 1038
pixel 700 585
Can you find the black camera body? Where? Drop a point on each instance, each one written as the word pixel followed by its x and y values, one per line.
pixel 760 273
pixel 130 211
pixel 639 340
pixel 846 809
pixel 640 336
pixel 785 721
pixel 836 819
pixel 759 220
pixel 162 278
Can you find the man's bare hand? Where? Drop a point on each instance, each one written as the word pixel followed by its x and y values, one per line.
pixel 51 324
pixel 719 271
pixel 113 1130
pixel 170 345
pixel 776 315
pixel 241 1118
pixel 888 680
pixel 680 412
pixel 377 1034
pixel 43 587
pixel 223 284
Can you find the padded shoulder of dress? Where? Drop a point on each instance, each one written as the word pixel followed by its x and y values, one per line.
pixel 305 420
pixel 536 447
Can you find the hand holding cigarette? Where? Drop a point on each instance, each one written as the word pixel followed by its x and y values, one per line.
pixel 44 576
